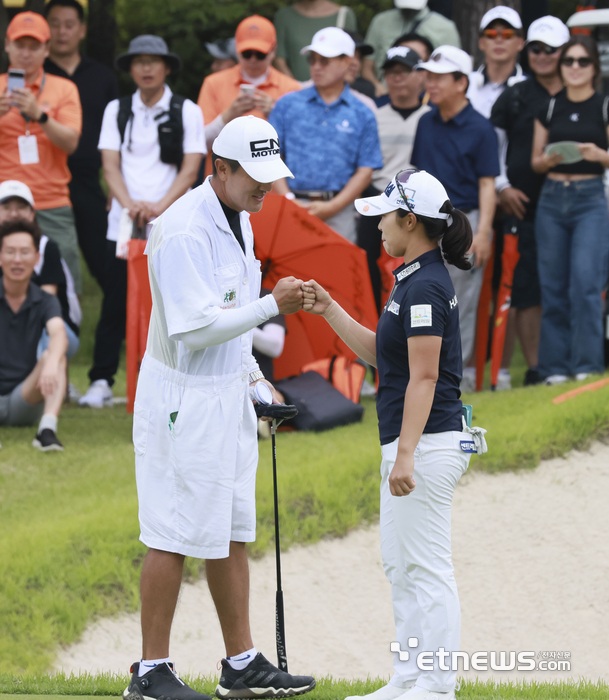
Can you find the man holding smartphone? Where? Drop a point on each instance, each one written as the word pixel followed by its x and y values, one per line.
pixel 141 182
pixel 40 124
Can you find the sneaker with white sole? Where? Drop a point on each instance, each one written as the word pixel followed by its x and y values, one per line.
pixel 46 441
pixel 555 379
pixel 504 380
pixel 581 376
pixel 387 692
pixel 260 679
pixel 98 395
pixel 418 693
pixel 160 683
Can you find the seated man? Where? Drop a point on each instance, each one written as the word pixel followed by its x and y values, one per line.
pixel 29 387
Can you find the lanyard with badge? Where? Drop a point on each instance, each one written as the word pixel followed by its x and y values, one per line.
pixel 28 144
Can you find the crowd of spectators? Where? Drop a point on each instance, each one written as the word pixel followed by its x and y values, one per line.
pixel 350 112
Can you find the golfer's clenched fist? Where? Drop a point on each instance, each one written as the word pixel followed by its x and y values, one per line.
pixel 288 295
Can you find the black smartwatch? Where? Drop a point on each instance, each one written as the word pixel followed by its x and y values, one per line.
pixel 43 119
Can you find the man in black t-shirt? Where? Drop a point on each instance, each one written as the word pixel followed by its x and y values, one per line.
pixel 97 86
pixel 518 186
pixel 31 387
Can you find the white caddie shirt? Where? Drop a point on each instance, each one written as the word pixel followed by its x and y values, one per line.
pixel 196 268
pixel 146 176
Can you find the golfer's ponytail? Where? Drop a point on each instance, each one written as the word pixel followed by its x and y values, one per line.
pixel 457 240
pixel 453 233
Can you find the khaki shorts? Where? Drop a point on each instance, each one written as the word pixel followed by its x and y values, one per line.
pixel 195 471
pixel 15 410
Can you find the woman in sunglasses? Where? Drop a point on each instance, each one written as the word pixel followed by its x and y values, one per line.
pixel 572 222
pixel 417 350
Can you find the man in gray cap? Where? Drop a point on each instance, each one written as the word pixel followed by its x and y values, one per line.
pixel 224 53
pixel 151 143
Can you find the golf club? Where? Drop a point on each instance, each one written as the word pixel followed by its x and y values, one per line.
pixel 279 413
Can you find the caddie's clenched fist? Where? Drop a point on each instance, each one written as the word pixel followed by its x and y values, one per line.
pixel 288 295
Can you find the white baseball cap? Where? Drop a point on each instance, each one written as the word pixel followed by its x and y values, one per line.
pixel 331 42
pixel 447 59
pixel 254 144
pixel 410 4
pixel 505 14
pixel 549 30
pixel 425 194
pixel 14 188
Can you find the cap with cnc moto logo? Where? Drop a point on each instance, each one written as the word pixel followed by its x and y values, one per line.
pixel 254 144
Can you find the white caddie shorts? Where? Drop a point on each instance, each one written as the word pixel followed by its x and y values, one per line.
pixel 196 475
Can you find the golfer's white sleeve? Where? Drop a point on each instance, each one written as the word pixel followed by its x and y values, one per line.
pixel 360 339
pixel 230 324
pixel 501 181
pixel 269 340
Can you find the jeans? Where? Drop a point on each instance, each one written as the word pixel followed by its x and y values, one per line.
pixel 73 342
pixel 572 232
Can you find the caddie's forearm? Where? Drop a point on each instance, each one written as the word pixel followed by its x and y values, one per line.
pixel 417 406
pixel 360 339
pixel 231 323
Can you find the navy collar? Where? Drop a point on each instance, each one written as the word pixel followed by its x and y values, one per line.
pixel 459 119
pixel 405 271
pixel 516 73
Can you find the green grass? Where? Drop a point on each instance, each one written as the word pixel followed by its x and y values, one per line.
pixel 69 546
pixel 86 686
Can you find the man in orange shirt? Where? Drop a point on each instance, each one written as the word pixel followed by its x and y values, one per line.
pixel 250 87
pixel 40 125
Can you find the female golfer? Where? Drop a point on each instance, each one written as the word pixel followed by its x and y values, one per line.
pixel 417 350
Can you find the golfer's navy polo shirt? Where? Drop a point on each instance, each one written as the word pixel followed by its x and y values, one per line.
pixel 458 152
pixel 423 302
pixel 324 144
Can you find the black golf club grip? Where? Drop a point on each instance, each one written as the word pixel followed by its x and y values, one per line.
pixel 282 659
pixel 280 411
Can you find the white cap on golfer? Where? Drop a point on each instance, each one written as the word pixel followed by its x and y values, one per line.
pixel 447 59
pixel 15 188
pixel 331 42
pixel 425 194
pixel 254 144
pixel 503 13
pixel 549 30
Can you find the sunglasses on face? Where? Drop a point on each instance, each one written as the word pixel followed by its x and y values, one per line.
pixel 582 62
pixel 541 48
pixel 250 53
pixel 314 58
pixel 503 33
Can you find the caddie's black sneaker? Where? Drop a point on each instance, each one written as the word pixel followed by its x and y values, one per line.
pixel 260 679
pixel 46 440
pixel 160 683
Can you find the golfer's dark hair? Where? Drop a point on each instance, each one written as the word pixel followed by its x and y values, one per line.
pixel 457 75
pixel 66 3
pixel 455 239
pixel 413 36
pixel 232 164
pixel 21 226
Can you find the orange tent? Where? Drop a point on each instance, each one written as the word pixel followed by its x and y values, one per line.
pixel 290 241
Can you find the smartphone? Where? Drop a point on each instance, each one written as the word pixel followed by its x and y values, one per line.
pixel 248 89
pixel 16 79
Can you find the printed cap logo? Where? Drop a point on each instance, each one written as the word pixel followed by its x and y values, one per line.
pixel 367 207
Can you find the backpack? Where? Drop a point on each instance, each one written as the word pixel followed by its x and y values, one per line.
pixel 171 132
pixel 342 373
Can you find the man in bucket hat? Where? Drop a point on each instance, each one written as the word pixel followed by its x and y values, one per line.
pixel 151 143
pixel 195 427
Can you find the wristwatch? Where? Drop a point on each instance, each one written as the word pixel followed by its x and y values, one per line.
pixel 255 376
pixel 43 119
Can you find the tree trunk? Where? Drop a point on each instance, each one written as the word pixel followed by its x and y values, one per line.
pixel 101 31
pixel 467 15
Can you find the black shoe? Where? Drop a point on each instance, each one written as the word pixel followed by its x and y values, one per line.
pixel 46 440
pixel 532 377
pixel 260 679
pixel 160 683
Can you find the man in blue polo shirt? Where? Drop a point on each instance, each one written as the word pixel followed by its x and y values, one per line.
pixel 458 145
pixel 328 137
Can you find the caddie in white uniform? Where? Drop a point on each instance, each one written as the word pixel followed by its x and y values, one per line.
pixel 194 428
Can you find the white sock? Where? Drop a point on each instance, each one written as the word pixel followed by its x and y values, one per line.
pixel 48 420
pixel 242 660
pixel 148 664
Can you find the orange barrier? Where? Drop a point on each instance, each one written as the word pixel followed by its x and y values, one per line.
pixel 139 308
pixel 594 386
pixel 509 260
pixel 482 321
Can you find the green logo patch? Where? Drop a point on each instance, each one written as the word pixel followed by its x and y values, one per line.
pixel 230 295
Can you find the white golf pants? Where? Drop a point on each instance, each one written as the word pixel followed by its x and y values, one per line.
pixel 416 549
